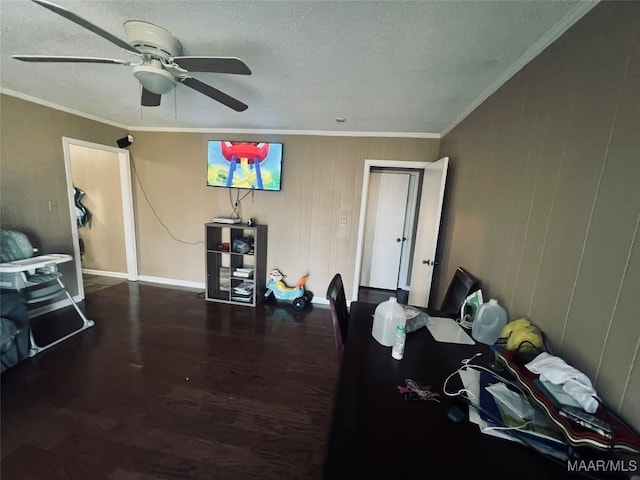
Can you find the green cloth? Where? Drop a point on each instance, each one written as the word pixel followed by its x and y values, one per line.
pixel 14 246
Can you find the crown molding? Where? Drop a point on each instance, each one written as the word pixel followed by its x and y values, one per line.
pixel 225 131
pixel 266 131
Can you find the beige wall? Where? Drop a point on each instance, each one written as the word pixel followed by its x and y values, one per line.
pixel 32 173
pixel 97 173
pixel 322 176
pixel 544 201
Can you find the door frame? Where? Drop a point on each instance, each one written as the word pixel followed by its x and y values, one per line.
pixel 126 191
pixel 368 165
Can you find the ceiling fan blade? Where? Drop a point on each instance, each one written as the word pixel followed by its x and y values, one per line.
pixel 214 93
pixel 88 25
pixel 213 65
pixel 64 59
pixel 150 99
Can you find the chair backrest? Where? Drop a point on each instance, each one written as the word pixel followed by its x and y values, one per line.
pixel 462 285
pixel 337 332
pixel 338 303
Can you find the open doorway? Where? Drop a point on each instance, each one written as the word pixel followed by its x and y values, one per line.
pixel 104 241
pixel 422 235
pixel 389 231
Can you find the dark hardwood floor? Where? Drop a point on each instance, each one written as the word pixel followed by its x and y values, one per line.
pixel 377 295
pixel 93 283
pixel 169 386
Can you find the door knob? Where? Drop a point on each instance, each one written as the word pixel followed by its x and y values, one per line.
pixel 398 240
pixel 429 262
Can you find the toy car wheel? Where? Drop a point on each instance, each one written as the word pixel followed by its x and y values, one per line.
pixel 299 303
pixel 308 296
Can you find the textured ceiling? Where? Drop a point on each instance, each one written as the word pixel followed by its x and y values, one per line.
pixel 391 67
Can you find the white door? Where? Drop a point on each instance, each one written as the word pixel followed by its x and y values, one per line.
pixel 384 237
pixel 424 256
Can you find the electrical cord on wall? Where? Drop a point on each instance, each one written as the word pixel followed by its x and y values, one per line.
pixel 146 197
pixel 236 205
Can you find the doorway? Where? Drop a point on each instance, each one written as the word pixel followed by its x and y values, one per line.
pixel 105 171
pixel 391 208
pixel 423 236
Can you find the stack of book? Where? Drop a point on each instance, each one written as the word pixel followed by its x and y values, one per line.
pixel 243 272
pixel 243 292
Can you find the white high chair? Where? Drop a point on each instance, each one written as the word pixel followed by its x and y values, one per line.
pixel 38 277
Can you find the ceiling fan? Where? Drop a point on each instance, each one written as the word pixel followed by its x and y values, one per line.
pixel 160 67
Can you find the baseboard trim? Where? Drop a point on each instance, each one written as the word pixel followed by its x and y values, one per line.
pixel 171 281
pixel 201 285
pixel 104 273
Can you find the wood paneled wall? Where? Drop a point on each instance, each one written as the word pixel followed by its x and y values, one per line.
pixel 322 177
pixel 544 204
pixel 33 185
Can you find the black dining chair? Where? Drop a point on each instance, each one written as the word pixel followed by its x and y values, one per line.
pixel 339 311
pixel 461 286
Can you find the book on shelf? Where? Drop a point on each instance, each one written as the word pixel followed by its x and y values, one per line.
pixel 244 288
pixel 244 273
pixel 242 298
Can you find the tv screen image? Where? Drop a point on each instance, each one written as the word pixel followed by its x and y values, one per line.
pixel 250 165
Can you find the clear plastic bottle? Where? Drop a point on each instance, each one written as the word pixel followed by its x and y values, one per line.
pixel 388 315
pixel 397 351
pixel 489 322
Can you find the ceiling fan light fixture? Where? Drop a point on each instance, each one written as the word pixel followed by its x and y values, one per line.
pixel 155 79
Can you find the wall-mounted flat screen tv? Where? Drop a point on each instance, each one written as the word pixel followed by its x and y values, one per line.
pixel 250 165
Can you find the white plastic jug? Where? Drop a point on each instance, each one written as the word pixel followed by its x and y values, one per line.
pixel 388 315
pixel 489 322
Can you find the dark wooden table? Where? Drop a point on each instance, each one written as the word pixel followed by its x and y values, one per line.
pixel 376 434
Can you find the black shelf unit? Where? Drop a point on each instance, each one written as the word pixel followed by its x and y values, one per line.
pixel 222 265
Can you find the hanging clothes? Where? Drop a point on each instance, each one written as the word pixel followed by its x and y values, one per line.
pixel 83 215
